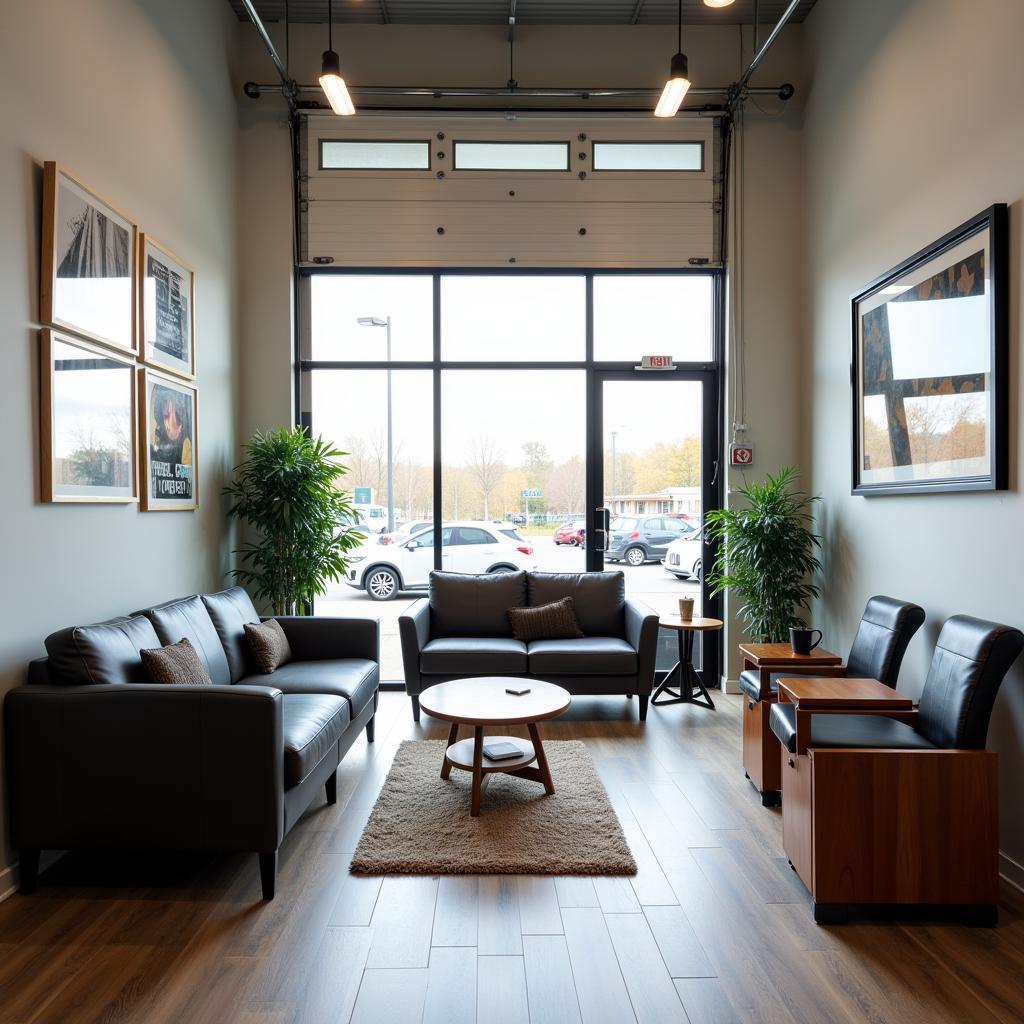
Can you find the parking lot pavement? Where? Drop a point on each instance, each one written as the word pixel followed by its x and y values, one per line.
pixel 648 583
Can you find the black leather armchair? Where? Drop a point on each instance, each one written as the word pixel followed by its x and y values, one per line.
pixel 886 628
pixel 902 807
pixel 98 758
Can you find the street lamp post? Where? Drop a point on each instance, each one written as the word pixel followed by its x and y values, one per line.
pixel 385 322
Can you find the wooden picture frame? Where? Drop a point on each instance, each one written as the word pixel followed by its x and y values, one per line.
pixel 166 314
pixel 103 467
pixel 168 442
pixel 87 282
pixel 930 367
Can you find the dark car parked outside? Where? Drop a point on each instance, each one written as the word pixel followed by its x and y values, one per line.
pixel 639 539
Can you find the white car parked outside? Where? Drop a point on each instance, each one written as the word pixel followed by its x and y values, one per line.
pixel 475 547
pixel 684 557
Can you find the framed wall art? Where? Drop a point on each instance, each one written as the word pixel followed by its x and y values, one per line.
pixel 168 420
pixel 87 280
pixel 167 292
pixel 930 350
pixel 87 437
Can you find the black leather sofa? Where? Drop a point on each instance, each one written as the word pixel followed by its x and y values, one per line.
pixel 99 758
pixel 462 630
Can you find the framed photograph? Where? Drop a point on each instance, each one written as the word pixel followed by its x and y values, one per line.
pixel 87 280
pixel 168 421
pixel 930 351
pixel 87 437
pixel 167 293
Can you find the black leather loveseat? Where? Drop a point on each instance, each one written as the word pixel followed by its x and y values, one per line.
pixel 99 758
pixel 462 629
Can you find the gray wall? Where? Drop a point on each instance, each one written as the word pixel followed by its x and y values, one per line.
pixel 134 97
pixel 914 123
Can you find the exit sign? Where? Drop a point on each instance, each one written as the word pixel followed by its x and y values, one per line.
pixel 657 363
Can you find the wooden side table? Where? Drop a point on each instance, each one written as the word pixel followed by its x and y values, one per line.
pixel 827 693
pixel 691 686
pixel 760 747
pixel 821 695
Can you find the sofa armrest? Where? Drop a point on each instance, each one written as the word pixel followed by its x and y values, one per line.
pixel 145 766
pixel 642 636
pixel 321 639
pixel 414 629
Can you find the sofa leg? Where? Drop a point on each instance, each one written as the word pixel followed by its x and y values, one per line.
pixel 369 729
pixel 268 874
pixel 415 708
pixel 28 871
pixel 643 708
pixel 331 786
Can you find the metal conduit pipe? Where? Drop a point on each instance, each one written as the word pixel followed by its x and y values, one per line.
pixel 765 47
pixel 255 89
pixel 267 41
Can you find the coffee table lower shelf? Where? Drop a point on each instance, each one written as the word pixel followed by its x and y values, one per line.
pixel 468 755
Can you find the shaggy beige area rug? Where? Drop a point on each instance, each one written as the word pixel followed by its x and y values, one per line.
pixel 421 825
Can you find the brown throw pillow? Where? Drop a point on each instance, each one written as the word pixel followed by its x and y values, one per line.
pixel 554 621
pixel 175 665
pixel 269 644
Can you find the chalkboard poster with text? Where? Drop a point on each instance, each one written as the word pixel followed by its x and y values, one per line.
pixel 167 310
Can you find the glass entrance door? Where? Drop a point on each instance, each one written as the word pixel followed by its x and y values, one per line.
pixel 653 484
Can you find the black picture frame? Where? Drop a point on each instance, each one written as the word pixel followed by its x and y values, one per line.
pixel 873 374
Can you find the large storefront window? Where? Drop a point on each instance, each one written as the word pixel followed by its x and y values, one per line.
pixel 495 421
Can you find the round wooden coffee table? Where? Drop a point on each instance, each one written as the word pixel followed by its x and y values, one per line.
pixel 483 702
pixel 691 686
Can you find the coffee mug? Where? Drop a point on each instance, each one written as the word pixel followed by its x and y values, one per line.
pixel 800 639
pixel 686 608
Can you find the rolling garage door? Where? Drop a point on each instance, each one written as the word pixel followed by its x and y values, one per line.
pixel 474 191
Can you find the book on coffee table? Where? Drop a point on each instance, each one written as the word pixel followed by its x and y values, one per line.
pixel 501 750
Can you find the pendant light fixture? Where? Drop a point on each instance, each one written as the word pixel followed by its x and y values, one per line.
pixel 678 79
pixel 331 81
pixel 718 3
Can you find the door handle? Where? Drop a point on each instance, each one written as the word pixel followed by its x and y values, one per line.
pixel 605 519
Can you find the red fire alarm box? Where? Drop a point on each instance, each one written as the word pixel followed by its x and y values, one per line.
pixel 741 455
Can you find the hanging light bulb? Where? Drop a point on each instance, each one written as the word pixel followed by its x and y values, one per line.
pixel 331 81
pixel 678 79
pixel 719 3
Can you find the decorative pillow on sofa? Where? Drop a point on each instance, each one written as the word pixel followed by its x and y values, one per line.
pixel 175 665
pixel 269 645
pixel 554 621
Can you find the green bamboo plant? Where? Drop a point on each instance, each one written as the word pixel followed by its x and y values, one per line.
pixel 287 489
pixel 767 555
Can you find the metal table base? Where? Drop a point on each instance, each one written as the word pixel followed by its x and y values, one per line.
pixel 691 686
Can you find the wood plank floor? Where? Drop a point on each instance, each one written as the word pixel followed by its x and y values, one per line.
pixel 714 928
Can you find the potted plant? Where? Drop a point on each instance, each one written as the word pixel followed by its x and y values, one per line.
pixel 767 555
pixel 287 490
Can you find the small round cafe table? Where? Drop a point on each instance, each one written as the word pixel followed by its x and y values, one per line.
pixel 484 702
pixel 691 686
